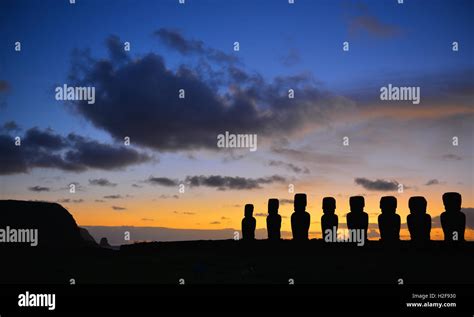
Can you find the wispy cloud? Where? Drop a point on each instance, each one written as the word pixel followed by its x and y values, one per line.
pixel 39 189
pixel 101 182
pixel 377 185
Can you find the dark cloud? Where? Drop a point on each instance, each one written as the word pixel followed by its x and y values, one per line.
pixel 113 197
pixel 372 26
pixel 147 219
pixel 39 189
pixel 303 155
pixel 432 182
pixel 4 86
pixel 140 96
pixel 99 201
pixel 452 157
pixel 10 126
pixel 45 139
pixel 215 223
pixel 136 186
pixel 163 181
pixel 118 208
pixel 187 213
pixel 101 182
pixel 260 214
pixel 116 49
pixel 228 182
pixel 289 166
pixel 286 201
pixel 67 201
pixel 169 196
pixel 45 149
pixel 92 154
pixel 177 41
pixel 378 185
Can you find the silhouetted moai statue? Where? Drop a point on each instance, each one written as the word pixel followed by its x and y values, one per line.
pixel 248 224
pixel 300 219
pixel 273 220
pixel 389 221
pixel 329 219
pixel 358 219
pixel 418 221
pixel 453 220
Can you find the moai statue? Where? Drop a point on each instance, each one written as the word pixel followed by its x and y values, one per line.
pixel 300 219
pixel 329 219
pixel 418 221
pixel 273 220
pixel 248 224
pixel 357 219
pixel 389 221
pixel 453 220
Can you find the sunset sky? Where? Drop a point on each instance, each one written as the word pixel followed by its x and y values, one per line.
pixel 173 141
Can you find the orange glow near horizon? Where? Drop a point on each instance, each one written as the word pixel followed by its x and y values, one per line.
pixel 225 211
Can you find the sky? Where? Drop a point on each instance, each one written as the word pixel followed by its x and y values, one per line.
pixel 173 146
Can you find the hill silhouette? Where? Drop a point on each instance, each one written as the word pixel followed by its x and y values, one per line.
pixel 56 226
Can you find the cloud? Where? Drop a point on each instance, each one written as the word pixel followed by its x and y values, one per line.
pixel 227 99
pixel 176 41
pixel 289 166
pixel 187 213
pixel 101 182
pixel 452 157
pixel 118 208
pixel 4 86
pixel 372 26
pixel 215 223
pixel 228 182
pixel 92 154
pixel 116 49
pixel 432 182
pixel 147 219
pixel 45 149
pixel 67 201
pixel 260 214
pixel 309 156
pixel 163 181
pixel 286 201
pixel 113 197
pixel 39 189
pixel 377 185
pixel 169 196
pixel 4 89
pixel 10 126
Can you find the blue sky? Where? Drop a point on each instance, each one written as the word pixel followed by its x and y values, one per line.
pixel 267 31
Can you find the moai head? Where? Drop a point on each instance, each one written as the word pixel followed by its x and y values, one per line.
pixel 357 203
pixel 329 205
pixel 300 202
pixel 417 205
pixel 452 201
pixel 273 205
pixel 388 204
pixel 249 210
